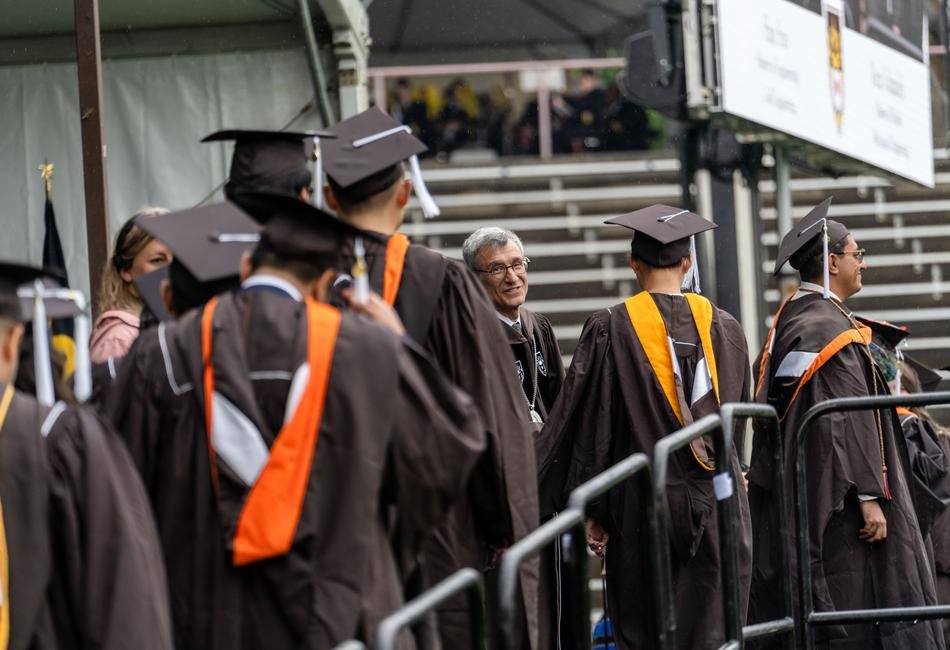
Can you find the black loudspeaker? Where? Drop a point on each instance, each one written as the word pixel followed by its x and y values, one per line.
pixel 655 75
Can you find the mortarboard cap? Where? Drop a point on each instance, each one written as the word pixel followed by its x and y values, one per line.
pixel 369 143
pixel 795 244
pixel 263 160
pixel 56 307
pixel 663 235
pixel 929 378
pixel 295 229
pixel 885 334
pixel 12 275
pixel 149 286
pixel 208 241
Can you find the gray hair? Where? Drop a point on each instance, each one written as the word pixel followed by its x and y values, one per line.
pixel 489 236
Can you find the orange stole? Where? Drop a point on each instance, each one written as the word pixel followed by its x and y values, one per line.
pixel 4 558
pixel 861 336
pixel 271 512
pixel 651 332
pixel 396 250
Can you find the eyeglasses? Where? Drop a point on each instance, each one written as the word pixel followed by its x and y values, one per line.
pixel 497 271
pixel 858 254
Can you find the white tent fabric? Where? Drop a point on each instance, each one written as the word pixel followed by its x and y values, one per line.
pixel 155 111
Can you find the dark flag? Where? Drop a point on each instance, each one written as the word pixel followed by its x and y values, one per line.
pixel 53 248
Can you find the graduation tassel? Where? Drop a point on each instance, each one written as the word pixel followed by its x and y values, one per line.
pixel 45 394
pixel 426 202
pixel 317 174
pixel 360 273
pixel 824 252
pixel 900 371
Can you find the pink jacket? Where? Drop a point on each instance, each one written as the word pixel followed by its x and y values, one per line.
pixel 113 334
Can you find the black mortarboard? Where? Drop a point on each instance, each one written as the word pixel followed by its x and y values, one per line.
pixel 663 235
pixel 804 240
pixel 12 275
pixel 885 334
pixel 55 307
pixel 150 288
pixel 263 159
pixel 369 143
pixel 929 378
pixel 208 241
pixel 295 229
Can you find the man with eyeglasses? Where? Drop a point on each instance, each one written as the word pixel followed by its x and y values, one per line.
pixel 866 548
pixel 497 256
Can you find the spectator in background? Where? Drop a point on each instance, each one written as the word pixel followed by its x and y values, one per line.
pixel 587 107
pixel 458 117
pixel 120 305
pixel 625 125
pixel 409 109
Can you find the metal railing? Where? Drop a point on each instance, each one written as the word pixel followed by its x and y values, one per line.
pixel 809 617
pixel 785 625
pixel 572 523
pixel 724 483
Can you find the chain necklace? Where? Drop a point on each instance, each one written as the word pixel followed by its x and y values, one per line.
pixel 535 416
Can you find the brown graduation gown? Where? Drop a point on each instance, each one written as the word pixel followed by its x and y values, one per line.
pixel 930 469
pixel 85 566
pixel 611 406
pixel 843 457
pixel 443 299
pixel 394 447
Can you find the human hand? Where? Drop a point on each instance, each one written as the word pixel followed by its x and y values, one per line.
pixel 875 525
pixel 375 309
pixel 597 537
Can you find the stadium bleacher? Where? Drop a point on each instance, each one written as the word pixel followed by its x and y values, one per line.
pixel 579 264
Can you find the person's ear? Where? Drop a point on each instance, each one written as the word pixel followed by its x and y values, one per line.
pixel 634 264
pixel 686 264
pixel 330 200
pixel 403 193
pixel 126 276
pixel 165 289
pixel 245 269
pixel 319 289
pixel 10 347
pixel 833 264
pixel 304 194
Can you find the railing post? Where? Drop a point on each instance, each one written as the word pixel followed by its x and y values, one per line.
pixel 785 625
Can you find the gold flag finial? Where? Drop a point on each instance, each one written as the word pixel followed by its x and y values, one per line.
pixel 46 171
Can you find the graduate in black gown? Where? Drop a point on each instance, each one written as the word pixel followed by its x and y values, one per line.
pixel 80 565
pixel 445 310
pixel 867 550
pixel 297 457
pixel 644 369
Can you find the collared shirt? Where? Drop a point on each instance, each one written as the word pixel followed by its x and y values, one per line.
pixel 811 286
pixel 516 324
pixel 272 282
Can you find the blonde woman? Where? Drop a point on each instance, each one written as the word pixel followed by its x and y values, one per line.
pixel 120 305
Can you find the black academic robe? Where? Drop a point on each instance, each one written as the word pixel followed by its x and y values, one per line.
pixel 85 565
pixel 536 353
pixel 814 339
pixel 930 469
pixel 611 406
pixel 940 536
pixel 393 450
pixel 538 356
pixel 445 308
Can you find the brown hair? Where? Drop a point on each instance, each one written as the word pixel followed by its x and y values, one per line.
pixel 114 292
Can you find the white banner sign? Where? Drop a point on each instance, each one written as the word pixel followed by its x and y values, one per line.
pixel 851 76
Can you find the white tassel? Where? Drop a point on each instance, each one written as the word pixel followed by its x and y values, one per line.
pixel 899 376
pixel 318 174
pixel 41 355
pixel 691 281
pixel 426 202
pixel 824 252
